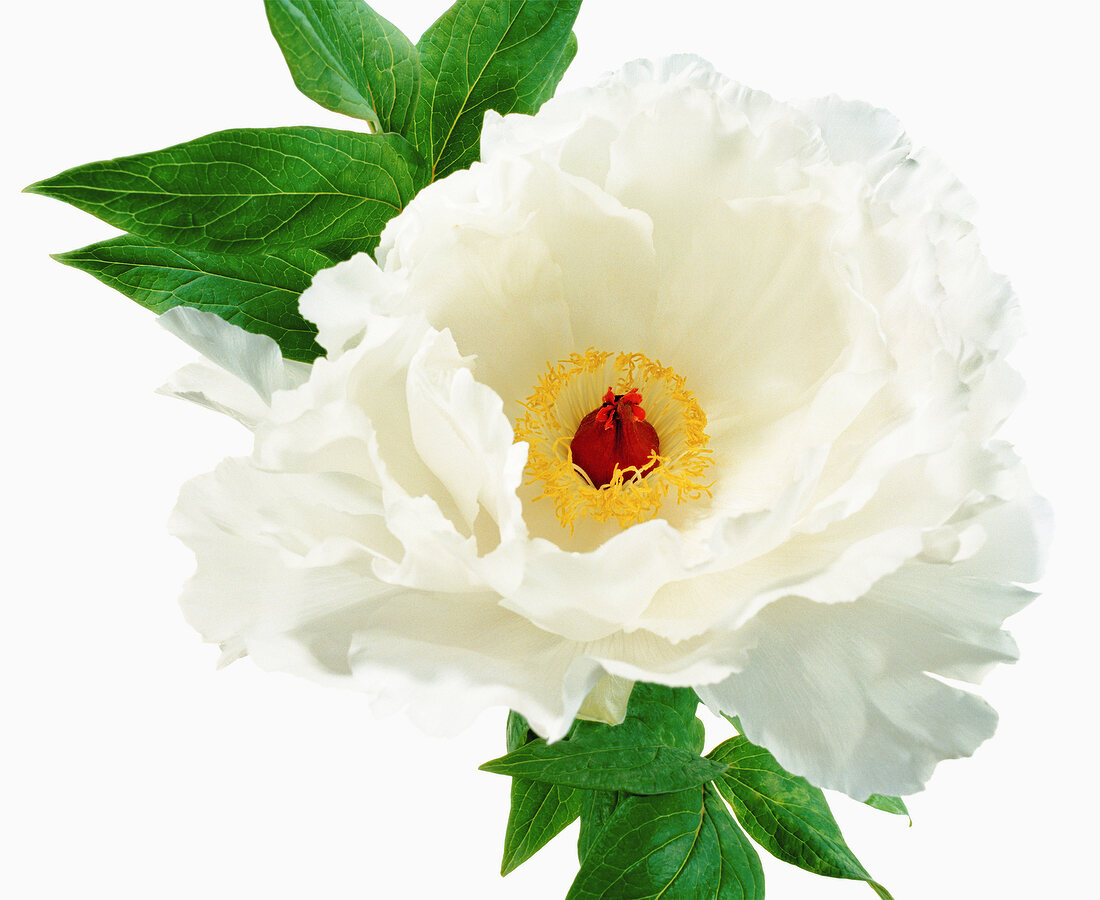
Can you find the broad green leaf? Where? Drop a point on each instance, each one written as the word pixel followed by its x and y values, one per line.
pixel 251 190
pixel 742 874
pixel 596 809
pixel 341 250
pixel 581 763
pixel 654 750
pixel 538 811
pixel 346 57
pixel 655 714
pixel 681 846
pixel 568 54
pixel 259 293
pixel 784 813
pixel 893 805
pixel 504 55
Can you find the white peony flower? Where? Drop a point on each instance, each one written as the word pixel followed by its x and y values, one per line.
pixel 811 525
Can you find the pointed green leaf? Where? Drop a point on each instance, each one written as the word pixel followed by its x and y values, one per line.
pixel 538 811
pixel 654 750
pixel 250 190
pixel 742 874
pixel 644 769
pixel 784 813
pixel 596 809
pixel 554 76
pixel 656 714
pixel 504 55
pixel 259 293
pixel 893 805
pixel 346 57
pixel 681 846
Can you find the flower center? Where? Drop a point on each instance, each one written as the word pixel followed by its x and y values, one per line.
pixel 615 436
pixel 596 452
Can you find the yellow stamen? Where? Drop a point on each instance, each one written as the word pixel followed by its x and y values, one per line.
pixel 572 389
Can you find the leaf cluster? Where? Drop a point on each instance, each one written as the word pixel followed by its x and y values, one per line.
pixel 238 222
pixel 652 818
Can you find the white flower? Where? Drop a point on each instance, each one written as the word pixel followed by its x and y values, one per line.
pixel 826 534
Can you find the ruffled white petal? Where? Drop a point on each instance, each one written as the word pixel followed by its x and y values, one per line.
pixel 254 358
pixel 523 264
pixel 259 538
pixel 460 431
pixel 447 658
pixel 218 390
pixel 849 697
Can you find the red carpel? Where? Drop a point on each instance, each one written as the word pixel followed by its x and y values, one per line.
pixel 615 435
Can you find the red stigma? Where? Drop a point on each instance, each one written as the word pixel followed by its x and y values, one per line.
pixel 615 435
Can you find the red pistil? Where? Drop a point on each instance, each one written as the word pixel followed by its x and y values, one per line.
pixel 616 434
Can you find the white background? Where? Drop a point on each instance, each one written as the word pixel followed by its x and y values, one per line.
pixel 132 768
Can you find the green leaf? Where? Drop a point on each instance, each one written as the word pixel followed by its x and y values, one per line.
pixel 517 732
pixel 505 55
pixel 742 874
pixel 893 805
pixel 680 846
pixel 538 811
pixel 735 721
pixel 346 57
pixel 784 813
pixel 259 293
pixel 568 54
pixel 655 714
pixel 250 190
pixel 654 750
pixel 582 763
pixel 596 809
